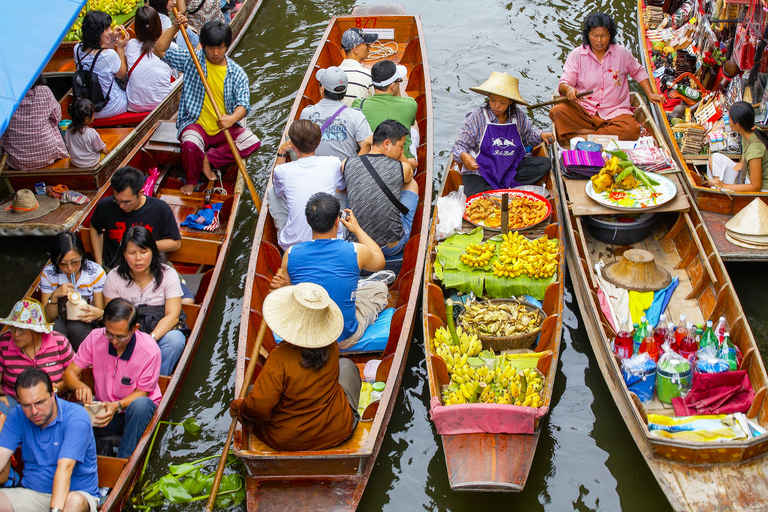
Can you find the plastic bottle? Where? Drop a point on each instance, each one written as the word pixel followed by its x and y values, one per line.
pixel 688 346
pixel 623 345
pixel 660 333
pixel 720 330
pixel 650 346
pixel 378 389
pixel 727 352
pixel 640 333
pixel 681 331
pixel 708 339
pixel 670 339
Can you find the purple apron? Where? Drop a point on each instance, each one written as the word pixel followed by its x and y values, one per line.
pixel 501 150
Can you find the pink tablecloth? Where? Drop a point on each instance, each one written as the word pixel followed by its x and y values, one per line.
pixel 484 418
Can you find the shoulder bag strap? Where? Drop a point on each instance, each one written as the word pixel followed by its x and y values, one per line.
pixel 328 122
pixel 361 104
pixel 193 11
pixel 395 201
pixel 134 65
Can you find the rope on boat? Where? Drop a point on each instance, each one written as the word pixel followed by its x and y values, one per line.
pixel 381 50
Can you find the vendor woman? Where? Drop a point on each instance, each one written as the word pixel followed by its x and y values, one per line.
pixel 601 66
pixel 498 133
pixel 754 177
pixel 305 397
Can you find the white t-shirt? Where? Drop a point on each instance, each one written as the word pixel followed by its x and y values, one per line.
pixel 150 81
pixel 84 148
pixel 91 280
pixel 358 81
pixel 297 182
pixel 106 66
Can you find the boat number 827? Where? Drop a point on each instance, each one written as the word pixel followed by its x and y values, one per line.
pixel 365 22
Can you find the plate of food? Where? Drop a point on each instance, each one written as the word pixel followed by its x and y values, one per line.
pixel 526 209
pixel 637 196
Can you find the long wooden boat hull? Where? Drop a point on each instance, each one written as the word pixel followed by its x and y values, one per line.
pixel 122 142
pixel 484 461
pixel 334 479
pixel 694 476
pixel 716 207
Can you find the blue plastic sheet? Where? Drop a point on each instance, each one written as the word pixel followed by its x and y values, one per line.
pixel 29 34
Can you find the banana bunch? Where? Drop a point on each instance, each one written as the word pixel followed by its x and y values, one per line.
pixel 518 255
pixel 113 7
pixel 469 345
pixel 525 387
pixel 478 255
pixel 76 32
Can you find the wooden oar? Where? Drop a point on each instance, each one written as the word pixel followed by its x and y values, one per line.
pixel 232 146
pixel 558 100
pixel 243 391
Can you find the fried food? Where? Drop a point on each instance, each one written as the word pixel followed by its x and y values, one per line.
pixel 499 319
pixel 523 212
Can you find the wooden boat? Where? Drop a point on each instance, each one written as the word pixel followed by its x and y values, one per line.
pixel 716 206
pixel 484 461
pixel 120 140
pixel 200 261
pixel 695 476
pixel 334 479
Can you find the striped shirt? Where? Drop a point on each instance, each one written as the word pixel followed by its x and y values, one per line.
pixel 53 357
pixel 471 133
pixel 91 280
pixel 359 81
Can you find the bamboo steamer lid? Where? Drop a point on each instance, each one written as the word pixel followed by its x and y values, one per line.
pixel 752 220
pixel 637 270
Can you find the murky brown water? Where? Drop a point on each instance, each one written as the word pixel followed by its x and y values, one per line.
pixel 586 459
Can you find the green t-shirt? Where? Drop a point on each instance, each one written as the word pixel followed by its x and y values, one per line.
pixel 380 107
pixel 756 149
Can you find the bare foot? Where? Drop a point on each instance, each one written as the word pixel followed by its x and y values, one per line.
pixel 188 189
pixel 207 169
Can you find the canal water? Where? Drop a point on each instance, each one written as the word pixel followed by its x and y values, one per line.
pixel 586 459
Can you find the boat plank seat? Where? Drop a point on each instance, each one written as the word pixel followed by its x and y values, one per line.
pixel 192 310
pixel 111 137
pixel 197 251
pixel 109 470
pixel 354 443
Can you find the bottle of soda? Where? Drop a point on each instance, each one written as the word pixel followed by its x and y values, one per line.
pixel 681 331
pixel 671 340
pixel 709 339
pixel 660 333
pixel 688 346
pixel 650 346
pixel 720 330
pixel 622 345
pixel 640 333
pixel 727 352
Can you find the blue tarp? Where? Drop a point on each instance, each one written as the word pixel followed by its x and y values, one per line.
pixel 30 31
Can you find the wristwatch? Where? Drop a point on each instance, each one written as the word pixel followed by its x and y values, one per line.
pixel 119 406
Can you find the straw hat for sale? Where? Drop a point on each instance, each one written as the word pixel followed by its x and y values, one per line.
pixel 28 314
pixel 501 84
pixel 27 206
pixel 752 220
pixel 637 271
pixel 303 315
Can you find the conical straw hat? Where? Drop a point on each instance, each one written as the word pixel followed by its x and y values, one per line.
pixel 746 245
pixel 752 220
pixel 750 239
pixel 303 315
pixel 501 84
pixel 637 271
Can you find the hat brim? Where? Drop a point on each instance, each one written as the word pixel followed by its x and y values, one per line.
pixel 42 329
pixel 47 205
pixel 370 38
pixel 510 95
pixel 299 326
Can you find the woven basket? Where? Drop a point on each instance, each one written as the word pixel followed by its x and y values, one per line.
pixel 497 344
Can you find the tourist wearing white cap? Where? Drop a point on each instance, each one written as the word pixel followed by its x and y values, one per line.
pixel 387 103
pixel 306 396
pixel 344 130
pixel 356 44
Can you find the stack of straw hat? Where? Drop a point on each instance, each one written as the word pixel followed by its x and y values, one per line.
pixel 749 227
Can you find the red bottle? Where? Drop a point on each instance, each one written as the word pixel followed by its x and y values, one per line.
pixel 660 333
pixel 650 346
pixel 682 330
pixel 688 346
pixel 622 345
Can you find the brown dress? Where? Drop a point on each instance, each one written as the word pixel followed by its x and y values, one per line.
pixel 295 409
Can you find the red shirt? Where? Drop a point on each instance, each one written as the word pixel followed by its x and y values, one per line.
pixel 53 358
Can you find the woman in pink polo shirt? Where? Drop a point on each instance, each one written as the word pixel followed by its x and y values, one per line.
pixel 30 342
pixel 603 67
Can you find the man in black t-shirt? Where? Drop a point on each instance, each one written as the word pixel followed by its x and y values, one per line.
pixel 128 207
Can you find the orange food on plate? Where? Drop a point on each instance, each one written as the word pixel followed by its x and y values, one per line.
pixel 523 212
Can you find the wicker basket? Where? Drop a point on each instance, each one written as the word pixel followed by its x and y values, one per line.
pixel 511 342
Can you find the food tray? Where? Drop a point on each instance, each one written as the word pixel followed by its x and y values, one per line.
pixel 508 342
pixel 512 194
pixel 639 199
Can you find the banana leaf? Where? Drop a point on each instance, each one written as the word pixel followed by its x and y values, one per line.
pixel 502 287
pixel 465 281
pixel 449 252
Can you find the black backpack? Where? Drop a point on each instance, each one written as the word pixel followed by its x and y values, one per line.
pixel 85 84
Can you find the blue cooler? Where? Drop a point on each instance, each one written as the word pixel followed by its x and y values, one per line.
pixel 640 378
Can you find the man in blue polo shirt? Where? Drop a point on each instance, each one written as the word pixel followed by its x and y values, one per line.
pixel 57 448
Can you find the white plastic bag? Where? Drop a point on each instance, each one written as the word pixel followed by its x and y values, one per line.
pixel 450 210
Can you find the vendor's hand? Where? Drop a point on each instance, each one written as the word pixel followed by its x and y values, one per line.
pixel 226 122
pixel 571 93
pixel 62 290
pixel 278 281
pixel 469 161
pixel 84 394
pixel 548 137
pixel 89 313
pixel 124 37
pixel 717 183
pixel 105 415
pixel 655 97
pixel 235 405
